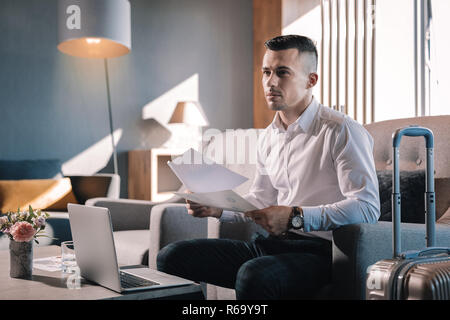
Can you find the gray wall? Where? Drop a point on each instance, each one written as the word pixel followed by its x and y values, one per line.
pixel 54 106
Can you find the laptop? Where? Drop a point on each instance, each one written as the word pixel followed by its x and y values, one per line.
pixel 96 254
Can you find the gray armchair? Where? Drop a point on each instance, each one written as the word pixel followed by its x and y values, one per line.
pixel 131 226
pixel 356 247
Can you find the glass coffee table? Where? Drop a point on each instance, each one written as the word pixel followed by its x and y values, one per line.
pixel 47 285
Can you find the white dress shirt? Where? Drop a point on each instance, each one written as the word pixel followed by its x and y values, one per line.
pixel 322 163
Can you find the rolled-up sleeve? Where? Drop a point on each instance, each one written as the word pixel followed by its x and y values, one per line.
pixel 352 153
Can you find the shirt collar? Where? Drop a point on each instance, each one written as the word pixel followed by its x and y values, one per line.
pixel 304 121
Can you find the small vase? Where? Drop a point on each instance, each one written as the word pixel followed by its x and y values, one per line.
pixel 21 259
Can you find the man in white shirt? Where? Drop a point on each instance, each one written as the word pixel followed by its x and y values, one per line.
pixel 315 172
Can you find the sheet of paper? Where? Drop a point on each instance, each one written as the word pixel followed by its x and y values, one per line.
pixel 200 174
pixel 51 264
pixel 227 200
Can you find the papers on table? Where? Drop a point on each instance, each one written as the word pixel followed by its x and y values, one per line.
pixel 51 264
pixel 210 182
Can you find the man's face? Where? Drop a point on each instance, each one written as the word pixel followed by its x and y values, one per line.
pixel 285 78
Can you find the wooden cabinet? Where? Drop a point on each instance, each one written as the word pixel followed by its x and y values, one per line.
pixel 149 176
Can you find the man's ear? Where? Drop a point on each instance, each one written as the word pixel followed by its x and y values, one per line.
pixel 312 79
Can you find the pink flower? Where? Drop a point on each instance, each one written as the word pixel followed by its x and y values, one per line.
pixel 22 231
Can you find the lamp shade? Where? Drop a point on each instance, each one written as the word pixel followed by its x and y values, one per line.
pixel 94 28
pixel 189 112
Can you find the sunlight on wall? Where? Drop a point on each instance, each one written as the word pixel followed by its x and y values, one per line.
pixel 161 109
pixel 308 25
pixel 94 158
pixel 395 60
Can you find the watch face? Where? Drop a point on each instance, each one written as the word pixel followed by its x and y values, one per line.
pixel 297 222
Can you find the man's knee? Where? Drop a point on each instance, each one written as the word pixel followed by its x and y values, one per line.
pixel 253 281
pixel 170 256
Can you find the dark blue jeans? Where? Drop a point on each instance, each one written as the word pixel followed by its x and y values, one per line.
pixel 292 267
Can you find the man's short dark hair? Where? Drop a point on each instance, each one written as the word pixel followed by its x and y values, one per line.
pixel 301 43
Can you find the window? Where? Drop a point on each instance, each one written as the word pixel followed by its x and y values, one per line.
pixel 440 61
pixel 408 79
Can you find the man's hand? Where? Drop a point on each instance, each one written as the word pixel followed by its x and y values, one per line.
pixel 274 219
pixel 200 211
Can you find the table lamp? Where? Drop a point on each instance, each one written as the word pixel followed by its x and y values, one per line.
pixel 96 29
pixel 191 114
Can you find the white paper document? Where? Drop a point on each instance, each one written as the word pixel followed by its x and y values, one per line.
pixel 227 200
pixel 51 264
pixel 201 174
pixel 210 182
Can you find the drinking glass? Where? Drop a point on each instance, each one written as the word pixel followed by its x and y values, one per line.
pixel 68 260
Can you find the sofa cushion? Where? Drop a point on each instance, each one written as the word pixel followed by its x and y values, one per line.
pixel 87 187
pixel 132 247
pixel 30 169
pixel 45 194
pixel 412 188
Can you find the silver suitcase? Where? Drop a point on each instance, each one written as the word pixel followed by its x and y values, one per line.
pixel 412 275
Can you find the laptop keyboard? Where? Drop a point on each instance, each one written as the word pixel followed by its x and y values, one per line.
pixel 130 281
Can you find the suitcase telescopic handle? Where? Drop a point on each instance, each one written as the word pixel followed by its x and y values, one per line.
pixel 413 131
pixel 427 251
pixel 430 206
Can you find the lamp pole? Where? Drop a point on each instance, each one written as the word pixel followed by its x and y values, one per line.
pixel 111 128
pixel 101 30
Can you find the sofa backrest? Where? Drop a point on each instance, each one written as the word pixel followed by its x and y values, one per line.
pixel 30 169
pixel 412 149
pixel 413 153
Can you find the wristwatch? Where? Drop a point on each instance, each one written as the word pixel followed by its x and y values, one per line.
pixel 296 219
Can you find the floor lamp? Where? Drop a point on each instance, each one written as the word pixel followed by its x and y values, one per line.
pixel 98 29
